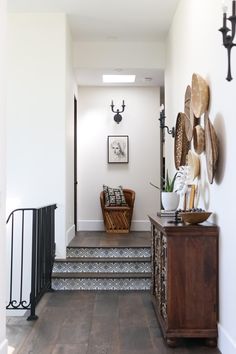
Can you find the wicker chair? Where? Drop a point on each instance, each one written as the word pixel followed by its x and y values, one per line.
pixel 117 219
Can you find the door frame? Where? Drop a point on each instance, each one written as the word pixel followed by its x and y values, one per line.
pixel 75 163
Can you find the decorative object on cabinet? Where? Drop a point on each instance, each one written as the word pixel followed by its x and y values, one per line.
pixel 118 116
pixel 182 144
pixel 194 165
pixel 211 148
pixel 228 34
pixel 185 279
pixel 198 139
pixel 169 197
pixel 162 122
pixel 194 217
pixel 117 219
pixel 170 200
pixel 189 197
pixel 118 149
pixel 183 179
pixel 200 95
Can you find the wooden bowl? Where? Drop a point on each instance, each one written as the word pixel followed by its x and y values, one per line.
pixel 194 217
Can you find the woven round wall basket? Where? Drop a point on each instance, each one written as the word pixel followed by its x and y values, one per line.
pixel 187 101
pixel 211 148
pixel 198 139
pixel 188 127
pixel 182 144
pixel 194 164
pixel 200 95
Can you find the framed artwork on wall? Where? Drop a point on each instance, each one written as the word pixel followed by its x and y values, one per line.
pixel 117 149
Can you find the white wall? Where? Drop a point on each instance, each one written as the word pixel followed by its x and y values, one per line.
pixel 37 107
pixel 71 90
pixel 95 123
pixel 3 341
pixel 119 55
pixel 195 45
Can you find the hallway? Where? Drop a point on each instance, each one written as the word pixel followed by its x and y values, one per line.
pixel 75 322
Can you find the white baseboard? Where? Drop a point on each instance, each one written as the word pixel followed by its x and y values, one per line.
pixel 90 225
pixel 4 347
pixel 70 233
pixel 140 225
pixel 15 313
pixel 225 342
pixel 98 225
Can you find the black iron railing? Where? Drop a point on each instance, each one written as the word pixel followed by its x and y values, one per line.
pixel 32 251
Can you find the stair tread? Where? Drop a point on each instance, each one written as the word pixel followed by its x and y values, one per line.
pixel 103 259
pixel 101 275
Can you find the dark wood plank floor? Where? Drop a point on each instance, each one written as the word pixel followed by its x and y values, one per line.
pixel 73 322
pixel 103 239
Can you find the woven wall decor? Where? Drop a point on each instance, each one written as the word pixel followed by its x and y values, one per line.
pixel 200 95
pixel 211 148
pixel 182 145
pixel 198 139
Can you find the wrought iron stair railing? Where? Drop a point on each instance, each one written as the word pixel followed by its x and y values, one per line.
pixel 31 250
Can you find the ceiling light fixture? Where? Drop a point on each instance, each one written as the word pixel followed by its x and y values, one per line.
pixel 118 79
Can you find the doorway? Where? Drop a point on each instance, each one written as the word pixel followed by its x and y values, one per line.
pixel 75 163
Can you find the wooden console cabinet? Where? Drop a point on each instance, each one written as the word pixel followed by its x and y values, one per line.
pixel 185 279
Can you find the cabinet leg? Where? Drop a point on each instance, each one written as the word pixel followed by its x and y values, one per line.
pixel 211 342
pixel 172 342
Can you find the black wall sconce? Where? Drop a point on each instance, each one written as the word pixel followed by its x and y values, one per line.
pixel 118 116
pixel 228 34
pixel 162 122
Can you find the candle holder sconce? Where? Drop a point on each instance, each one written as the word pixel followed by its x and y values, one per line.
pixel 162 122
pixel 118 116
pixel 228 34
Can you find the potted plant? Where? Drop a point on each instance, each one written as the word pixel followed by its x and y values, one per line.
pixel 169 197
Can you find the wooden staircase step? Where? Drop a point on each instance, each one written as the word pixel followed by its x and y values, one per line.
pixel 103 268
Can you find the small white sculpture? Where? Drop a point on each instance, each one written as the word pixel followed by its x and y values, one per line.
pixel 183 178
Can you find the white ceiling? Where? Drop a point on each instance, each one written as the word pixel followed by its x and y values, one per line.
pixel 109 20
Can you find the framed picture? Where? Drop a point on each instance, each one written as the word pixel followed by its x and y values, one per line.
pixel 189 197
pixel 118 149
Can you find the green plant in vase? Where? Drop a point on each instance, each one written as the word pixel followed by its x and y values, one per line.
pixel 169 197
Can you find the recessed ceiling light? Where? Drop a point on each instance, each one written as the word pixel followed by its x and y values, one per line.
pixel 121 79
pixel 148 78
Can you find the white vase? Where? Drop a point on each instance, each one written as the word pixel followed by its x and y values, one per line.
pixel 170 200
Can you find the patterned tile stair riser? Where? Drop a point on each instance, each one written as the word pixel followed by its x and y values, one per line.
pixel 103 268
pixel 121 252
pixel 101 284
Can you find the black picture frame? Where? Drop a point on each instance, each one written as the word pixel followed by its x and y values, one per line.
pixel 117 149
